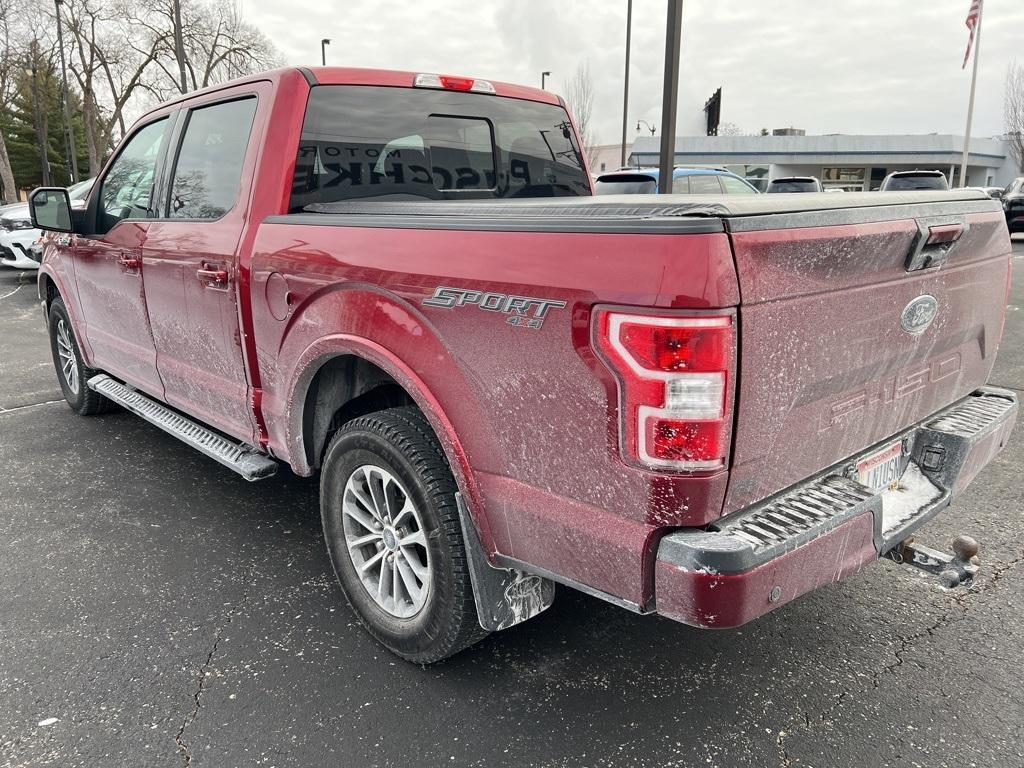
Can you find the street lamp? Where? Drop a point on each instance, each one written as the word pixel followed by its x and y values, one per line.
pixel 649 126
pixel 44 161
pixel 543 77
pixel 625 85
pixel 323 50
pixel 670 94
pixel 69 130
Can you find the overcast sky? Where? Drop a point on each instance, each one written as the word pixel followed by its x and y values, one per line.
pixel 842 66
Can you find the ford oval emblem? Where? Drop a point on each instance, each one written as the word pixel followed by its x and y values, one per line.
pixel 919 314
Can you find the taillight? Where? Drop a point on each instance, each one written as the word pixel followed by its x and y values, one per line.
pixel 450 83
pixel 675 387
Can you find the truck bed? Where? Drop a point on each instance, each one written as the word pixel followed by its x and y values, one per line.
pixel 818 283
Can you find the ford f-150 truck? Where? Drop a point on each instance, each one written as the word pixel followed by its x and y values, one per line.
pixel 700 407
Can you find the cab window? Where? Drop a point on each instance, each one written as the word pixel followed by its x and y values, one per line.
pixel 128 186
pixel 208 171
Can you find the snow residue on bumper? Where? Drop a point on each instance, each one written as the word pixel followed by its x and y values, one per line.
pixel 912 495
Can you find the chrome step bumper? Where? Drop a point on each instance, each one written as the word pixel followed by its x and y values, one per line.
pixel 239 457
pixel 780 544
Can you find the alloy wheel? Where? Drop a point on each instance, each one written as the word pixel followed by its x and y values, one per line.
pixel 386 540
pixel 66 355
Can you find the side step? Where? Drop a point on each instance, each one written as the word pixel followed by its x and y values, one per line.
pixel 239 457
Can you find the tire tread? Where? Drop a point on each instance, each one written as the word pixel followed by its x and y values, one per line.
pixel 408 430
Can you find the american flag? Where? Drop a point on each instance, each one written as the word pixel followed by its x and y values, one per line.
pixel 972 24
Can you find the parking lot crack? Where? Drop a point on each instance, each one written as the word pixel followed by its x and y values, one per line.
pixel 957 612
pixel 202 676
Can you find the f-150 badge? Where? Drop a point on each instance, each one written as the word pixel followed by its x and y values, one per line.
pixel 525 311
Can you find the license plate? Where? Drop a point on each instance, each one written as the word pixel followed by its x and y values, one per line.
pixel 881 470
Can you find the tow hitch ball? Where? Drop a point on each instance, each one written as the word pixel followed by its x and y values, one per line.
pixel 953 570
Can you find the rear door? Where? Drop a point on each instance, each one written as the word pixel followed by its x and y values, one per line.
pixel 108 266
pixel 840 347
pixel 190 259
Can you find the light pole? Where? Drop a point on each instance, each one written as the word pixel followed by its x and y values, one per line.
pixel 670 94
pixel 44 160
pixel 323 50
pixel 648 125
pixel 625 87
pixel 544 76
pixel 69 130
pixel 179 45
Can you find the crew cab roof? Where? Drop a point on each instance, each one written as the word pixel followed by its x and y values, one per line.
pixel 358 76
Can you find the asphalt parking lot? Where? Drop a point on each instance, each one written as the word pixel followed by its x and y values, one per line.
pixel 156 610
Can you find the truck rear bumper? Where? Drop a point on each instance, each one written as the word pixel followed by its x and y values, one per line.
pixel 829 526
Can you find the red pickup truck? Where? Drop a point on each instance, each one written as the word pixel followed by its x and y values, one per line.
pixel 700 407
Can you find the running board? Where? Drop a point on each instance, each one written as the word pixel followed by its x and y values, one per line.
pixel 239 457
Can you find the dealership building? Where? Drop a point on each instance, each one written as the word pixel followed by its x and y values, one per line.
pixel 847 162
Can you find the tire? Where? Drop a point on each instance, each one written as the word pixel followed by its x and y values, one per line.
pixel 72 374
pixel 374 464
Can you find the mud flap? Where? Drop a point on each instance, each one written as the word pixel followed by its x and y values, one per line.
pixel 504 596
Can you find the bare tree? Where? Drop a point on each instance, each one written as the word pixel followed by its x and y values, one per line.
pixel 125 54
pixel 216 44
pixel 112 51
pixel 1013 113
pixel 8 57
pixel 578 92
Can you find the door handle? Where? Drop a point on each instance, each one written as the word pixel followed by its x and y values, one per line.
pixel 210 274
pixel 129 262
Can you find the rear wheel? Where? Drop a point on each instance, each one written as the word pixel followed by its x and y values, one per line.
pixel 387 499
pixel 72 373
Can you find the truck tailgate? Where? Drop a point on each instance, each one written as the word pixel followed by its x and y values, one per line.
pixel 828 366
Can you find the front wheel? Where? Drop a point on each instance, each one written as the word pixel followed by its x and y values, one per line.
pixel 72 373
pixel 387 500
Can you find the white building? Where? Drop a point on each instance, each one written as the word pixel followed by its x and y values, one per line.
pixel 606 157
pixel 853 163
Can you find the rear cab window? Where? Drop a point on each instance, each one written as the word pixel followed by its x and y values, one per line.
pixel 370 142
pixel 208 168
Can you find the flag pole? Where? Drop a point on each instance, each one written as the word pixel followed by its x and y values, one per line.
pixel 970 104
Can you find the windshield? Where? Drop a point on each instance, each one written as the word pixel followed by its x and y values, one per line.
pixel 626 184
pixel 900 183
pixel 363 142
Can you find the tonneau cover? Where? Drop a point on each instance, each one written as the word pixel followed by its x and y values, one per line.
pixel 661 206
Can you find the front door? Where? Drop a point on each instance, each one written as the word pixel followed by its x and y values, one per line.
pixel 192 275
pixel 108 264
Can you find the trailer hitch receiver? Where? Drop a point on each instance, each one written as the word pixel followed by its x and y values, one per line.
pixel 953 570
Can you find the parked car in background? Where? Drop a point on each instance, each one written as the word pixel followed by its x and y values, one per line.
pixel 901 181
pixel 1013 205
pixel 794 184
pixel 685 181
pixel 996 193
pixel 17 235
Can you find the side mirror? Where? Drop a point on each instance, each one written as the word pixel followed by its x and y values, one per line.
pixel 50 208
